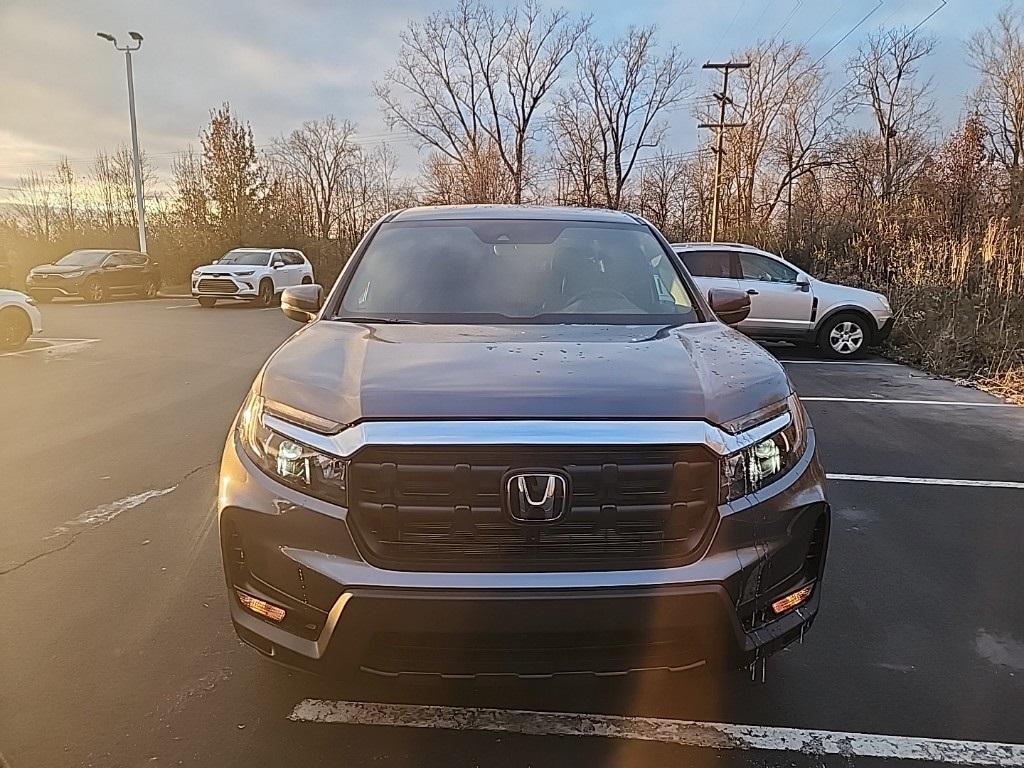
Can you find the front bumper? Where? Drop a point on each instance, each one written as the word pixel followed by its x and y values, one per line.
pixel 298 553
pixel 53 285
pixel 225 287
pixel 885 330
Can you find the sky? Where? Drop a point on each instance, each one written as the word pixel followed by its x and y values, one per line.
pixel 280 62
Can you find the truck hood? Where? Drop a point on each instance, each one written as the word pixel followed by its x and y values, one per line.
pixel 349 372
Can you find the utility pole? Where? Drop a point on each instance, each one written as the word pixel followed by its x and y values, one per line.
pixel 140 199
pixel 723 99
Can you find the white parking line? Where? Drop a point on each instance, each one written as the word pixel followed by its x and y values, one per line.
pixel 684 732
pixel 118 302
pixel 193 305
pixel 836 362
pixel 925 481
pixel 61 344
pixel 881 401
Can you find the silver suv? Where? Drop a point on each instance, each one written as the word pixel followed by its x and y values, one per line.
pixel 786 303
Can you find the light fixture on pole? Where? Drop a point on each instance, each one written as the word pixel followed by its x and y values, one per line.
pixel 140 200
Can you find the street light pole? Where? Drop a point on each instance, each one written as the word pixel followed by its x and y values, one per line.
pixel 140 199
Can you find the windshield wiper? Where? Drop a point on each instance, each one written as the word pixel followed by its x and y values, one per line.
pixel 368 319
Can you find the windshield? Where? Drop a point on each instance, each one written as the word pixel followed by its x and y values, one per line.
pixel 515 270
pixel 83 258
pixel 251 258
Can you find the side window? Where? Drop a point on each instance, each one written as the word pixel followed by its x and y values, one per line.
pixel 709 263
pixel 754 266
pixel 137 259
pixel 278 257
pixel 292 257
pixel 115 260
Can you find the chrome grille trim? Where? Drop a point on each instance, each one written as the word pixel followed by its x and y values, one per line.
pixel 528 432
pixel 216 285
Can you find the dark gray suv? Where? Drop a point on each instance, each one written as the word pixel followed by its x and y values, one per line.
pixel 518 440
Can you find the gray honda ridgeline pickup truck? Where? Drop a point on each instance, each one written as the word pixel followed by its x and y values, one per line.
pixel 518 441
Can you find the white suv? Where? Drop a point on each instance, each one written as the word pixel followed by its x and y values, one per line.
pixel 19 319
pixel 786 303
pixel 254 274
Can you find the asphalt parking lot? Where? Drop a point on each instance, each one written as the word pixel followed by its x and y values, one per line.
pixel 116 648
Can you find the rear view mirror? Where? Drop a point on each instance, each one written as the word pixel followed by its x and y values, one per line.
pixel 730 305
pixel 302 302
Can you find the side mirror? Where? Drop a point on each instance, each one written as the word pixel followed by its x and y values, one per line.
pixel 803 283
pixel 730 305
pixel 277 264
pixel 302 302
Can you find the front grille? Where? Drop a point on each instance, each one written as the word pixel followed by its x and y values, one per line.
pixel 428 508
pixel 217 285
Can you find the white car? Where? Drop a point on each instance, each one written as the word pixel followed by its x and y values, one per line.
pixel 786 303
pixel 19 319
pixel 253 274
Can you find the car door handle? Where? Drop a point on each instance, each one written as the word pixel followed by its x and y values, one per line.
pixel 751 292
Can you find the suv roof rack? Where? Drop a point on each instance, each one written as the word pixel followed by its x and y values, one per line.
pixel 715 243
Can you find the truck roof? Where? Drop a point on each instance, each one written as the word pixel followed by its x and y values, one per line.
pixel 523 212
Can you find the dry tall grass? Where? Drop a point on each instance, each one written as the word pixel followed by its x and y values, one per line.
pixel 959 302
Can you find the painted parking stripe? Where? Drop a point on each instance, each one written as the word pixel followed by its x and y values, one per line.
pixel 50 347
pixel 684 732
pixel 881 401
pixel 925 481
pixel 118 302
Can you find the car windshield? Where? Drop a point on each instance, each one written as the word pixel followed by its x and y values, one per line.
pixel 250 258
pixel 517 270
pixel 83 259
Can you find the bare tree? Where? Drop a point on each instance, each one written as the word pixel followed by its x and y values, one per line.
pixel 623 88
pixel 479 179
pixel 471 81
pixel 883 75
pixel 67 192
pixel 191 201
pixel 790 119
pixel 317 156
pixel 577 159
pixel 662 193
pixel 33 206
pixel 997 52
pixel 531 60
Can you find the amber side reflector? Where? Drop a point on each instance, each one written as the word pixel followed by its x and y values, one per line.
pixel 261 607
pixel 792 600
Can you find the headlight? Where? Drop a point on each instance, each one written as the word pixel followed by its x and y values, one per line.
pixel 289 461
pixel 196 273
pixel 244 274
pixel 754 467
pixel 76 273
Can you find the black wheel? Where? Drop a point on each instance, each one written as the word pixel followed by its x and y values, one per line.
pixel 266 294
pixel 93 291
pixel 150 289
pixel 42 298
pixel 206 302
pixel 845 336
pixel 15 328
